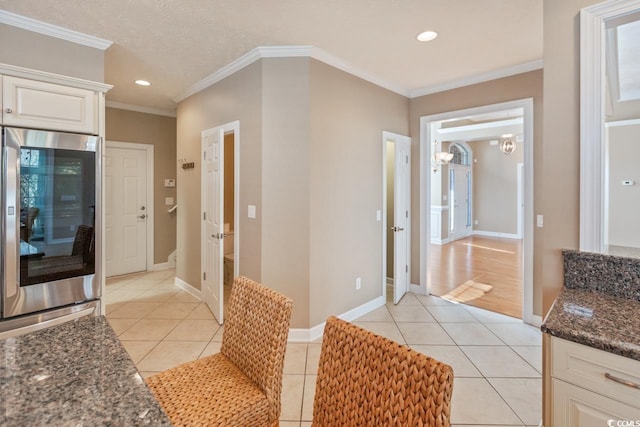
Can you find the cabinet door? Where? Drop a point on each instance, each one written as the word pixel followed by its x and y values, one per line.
pixel 40 105
pixel 576 407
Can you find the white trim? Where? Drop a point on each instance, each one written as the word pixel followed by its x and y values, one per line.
pixel 44 76
pixel 425 191
pixel 478 78
pixel 315 332
pixel 495 234
pixel 417 289
pixel 592 135
pixel 439 208
pixel 481 126
pixel 285 52
pixel 627 122
pixel 141 109
pixel 181 284
pixel 171 263
pixel 441 241
pixel 53 30
pixel 535 321
pixel 148 148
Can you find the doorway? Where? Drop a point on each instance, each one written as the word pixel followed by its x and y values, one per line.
pixel 129 210
pixel 396 220
pixel 494 133
pixel 220 214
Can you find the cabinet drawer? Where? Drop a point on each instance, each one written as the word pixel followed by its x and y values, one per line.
pixel 40 105
pixel 576 407
pixel 587 367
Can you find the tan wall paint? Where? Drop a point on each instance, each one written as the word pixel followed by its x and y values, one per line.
pixel 229 180
pixel 40 52
pixel 526 85
pixel 285 181
pixel 495 188
pixel 159 131
pixel 238 97
pixel 559 176
pixel 348 116
pixel 391 166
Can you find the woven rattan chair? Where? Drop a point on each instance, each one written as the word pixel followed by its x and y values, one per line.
pixel 368 380
pixel 241 385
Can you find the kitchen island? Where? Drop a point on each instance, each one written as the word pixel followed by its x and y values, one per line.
pixel 74 374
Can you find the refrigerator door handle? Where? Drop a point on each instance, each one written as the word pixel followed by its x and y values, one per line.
pixel 12 223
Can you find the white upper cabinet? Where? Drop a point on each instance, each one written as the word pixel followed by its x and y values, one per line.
pixel 42 105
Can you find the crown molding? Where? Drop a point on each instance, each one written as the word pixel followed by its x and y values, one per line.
pixel 44 76
pixel 140 109
pixel 53 30
pixel 285 52
pixel 478 78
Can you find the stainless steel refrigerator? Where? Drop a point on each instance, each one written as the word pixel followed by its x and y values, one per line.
pixel 49 228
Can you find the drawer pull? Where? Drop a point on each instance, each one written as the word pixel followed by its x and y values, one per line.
pixel 621 381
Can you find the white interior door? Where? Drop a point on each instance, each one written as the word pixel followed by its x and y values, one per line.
pixel 126 210
pixel 212 220
pixel 401 208
pixel 460 199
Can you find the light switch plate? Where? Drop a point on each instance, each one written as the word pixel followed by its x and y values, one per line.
pixel 251 212
pixel 169 182
pixel 168 201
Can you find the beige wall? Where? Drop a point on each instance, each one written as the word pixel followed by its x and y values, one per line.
pixel 285 181
pixel 348 116
pixel 311 162
pixel 495 188
pixel 624 201
pixel 238 97
pixel 391 166
pixel 559 176
pixel 159 131
pixel 229 180
pixel 526 85
pixel 39 52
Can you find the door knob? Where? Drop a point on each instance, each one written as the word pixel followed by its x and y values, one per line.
pixel 143 216
pixel 8 111
pixel 396 229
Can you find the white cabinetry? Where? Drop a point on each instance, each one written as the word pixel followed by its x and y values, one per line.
pixel 43 105
pixel 592 388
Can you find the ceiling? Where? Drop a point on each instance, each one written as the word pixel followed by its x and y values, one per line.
pixel 176 43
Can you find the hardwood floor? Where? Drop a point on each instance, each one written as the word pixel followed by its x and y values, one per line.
pixel 485 272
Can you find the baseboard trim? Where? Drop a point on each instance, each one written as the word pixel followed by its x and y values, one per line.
pixel 312 334
pixel 536 320
pixel 496 234
pixel 171 263
pixel 188 288
pixel 417 289
pixel 441 241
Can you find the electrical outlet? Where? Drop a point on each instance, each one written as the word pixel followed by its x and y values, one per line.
pixel 358 283
pixel 475 222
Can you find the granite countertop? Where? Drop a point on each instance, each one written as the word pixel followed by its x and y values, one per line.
pixel 606 322
pixel 74 374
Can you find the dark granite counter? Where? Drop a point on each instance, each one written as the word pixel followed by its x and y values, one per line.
pixel 74 374
pixel 597 320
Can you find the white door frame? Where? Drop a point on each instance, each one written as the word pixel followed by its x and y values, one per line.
pixel 148 148
pixel 386 136
pixel 425 194
pixel 231 127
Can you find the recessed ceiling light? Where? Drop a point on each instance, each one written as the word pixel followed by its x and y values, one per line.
pixel 427 36
pixel 143 83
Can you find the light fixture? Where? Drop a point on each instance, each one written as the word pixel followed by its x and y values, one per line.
pixel 507 146
pixel 440 158
pixel 142 83
pixel 427 36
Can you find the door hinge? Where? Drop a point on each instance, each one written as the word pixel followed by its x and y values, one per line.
pixel 407 159
pixel 204 216
pixel 406 214
pixel 204 155
pixel 204 275
pixel 406 268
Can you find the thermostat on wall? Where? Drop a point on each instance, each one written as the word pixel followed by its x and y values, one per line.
pixel 628 182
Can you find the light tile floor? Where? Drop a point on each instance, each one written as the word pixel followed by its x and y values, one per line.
pixel 496 359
